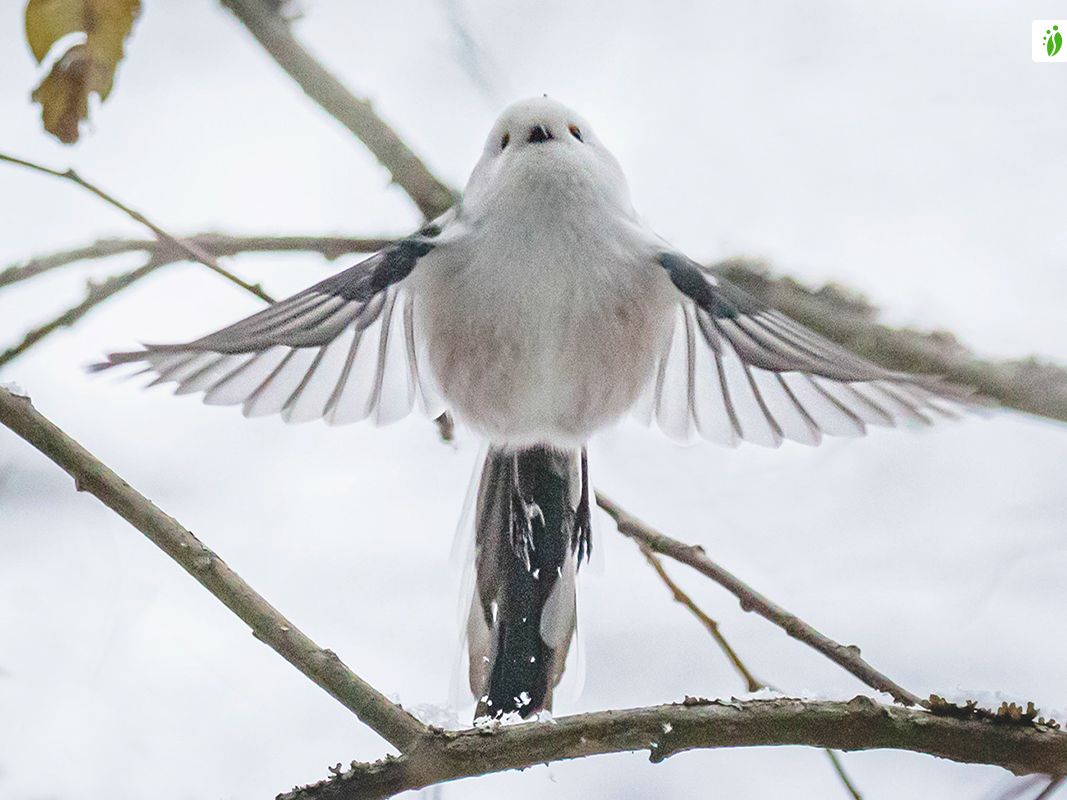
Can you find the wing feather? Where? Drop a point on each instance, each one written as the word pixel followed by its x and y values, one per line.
pixel 345 349
pixel 755 374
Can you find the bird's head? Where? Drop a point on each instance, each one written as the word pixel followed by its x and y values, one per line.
pixel 541 145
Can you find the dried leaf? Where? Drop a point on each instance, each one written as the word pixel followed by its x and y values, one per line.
pixel 64 94
pixel 86 67
pixel 47 21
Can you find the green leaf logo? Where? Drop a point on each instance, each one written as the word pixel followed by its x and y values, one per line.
pixel 1053 40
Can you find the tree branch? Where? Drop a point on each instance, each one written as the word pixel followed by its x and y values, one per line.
pixel 218 244
pixel 407 169
pixel 860 724
pixel 97 293
pixel 847 658
pixel 842 774
pixel 752 683
pixel 268 625
pixel 191 249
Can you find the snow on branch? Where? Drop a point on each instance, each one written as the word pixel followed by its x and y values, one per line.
pixel 1021 746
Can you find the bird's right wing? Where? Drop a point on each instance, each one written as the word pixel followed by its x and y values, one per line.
pixel 345 349
pixel 737 370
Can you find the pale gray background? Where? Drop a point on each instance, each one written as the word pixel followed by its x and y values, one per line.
pixel 911 151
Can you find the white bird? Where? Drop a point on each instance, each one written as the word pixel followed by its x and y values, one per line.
pixel 540 310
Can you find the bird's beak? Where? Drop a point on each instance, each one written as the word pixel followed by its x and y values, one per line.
pixel 539 133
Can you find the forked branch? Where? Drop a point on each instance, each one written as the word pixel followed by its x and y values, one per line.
pixel 191 249
pixel 847 657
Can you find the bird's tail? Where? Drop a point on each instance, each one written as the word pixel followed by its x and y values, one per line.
pixel 532 531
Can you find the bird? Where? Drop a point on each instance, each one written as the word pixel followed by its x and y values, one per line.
pixel 539 310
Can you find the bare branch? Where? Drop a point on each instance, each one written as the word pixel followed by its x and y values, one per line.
pixel 191 249
pixel 218 244
pixel 162 253
pixel 96 294
pixel 268 625
pixel 842 775
pixel 407 169
pixel 752 683
pixel 846 657
pixel 860 724
pixel 104 248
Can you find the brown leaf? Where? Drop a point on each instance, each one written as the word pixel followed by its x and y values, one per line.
pixel 64 95
pixel 86 67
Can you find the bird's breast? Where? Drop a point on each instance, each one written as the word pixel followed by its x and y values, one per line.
pixel 543 333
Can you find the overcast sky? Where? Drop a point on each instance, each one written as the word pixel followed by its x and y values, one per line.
pixel 912 152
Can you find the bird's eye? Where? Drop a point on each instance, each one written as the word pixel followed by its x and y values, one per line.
pixel 576 132
pixel 504 140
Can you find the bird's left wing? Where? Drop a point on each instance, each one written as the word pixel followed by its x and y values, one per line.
pixel 344 349
pixel 737 370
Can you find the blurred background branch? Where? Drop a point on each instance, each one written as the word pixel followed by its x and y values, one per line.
pixel 190 249
pixel 96 293
pixel 273 32
pixel 218 244
pixel 1025 384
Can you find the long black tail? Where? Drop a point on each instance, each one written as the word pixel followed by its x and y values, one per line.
pixel 532 531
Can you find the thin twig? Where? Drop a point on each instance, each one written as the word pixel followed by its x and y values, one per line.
pixel 842 775
pixel 330 247
pixel 162 252
pixel 195 252
pixel 96 294
pixel 102 249
pixel 268 625
pixel 272 31
pixel 846 657
pixel 753 683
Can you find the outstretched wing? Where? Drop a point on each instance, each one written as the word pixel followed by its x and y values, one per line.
pixel 737 370
pixel 344 349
